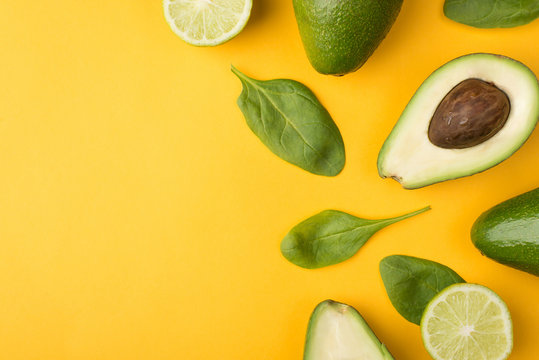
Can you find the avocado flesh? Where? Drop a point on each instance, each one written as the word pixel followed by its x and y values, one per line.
pixel 509 232
pixel 409 157
pixel 340 35
pixel 338 332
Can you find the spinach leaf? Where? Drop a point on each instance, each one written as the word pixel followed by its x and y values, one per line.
pixel 492 13
pixel 331 237
pixel 412 282
pixel 292 123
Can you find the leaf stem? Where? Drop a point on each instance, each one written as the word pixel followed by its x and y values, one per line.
pixel 406 216
pixel 237 72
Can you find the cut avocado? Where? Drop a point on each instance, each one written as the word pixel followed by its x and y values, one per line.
pixel 509 232
pixel 340 35
pixel 338 332
pixel 469 115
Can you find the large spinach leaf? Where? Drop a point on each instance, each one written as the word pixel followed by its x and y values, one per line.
pixel 492 13
pixel 412 282
pixel 331 237
pixel 292 123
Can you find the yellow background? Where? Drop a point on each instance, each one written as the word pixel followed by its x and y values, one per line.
pixel 141 219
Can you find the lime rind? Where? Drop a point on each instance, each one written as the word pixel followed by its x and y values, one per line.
pixel 467 322
pixel 207 22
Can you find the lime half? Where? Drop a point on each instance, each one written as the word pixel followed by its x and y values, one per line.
pixel 207 22
pixel 467 322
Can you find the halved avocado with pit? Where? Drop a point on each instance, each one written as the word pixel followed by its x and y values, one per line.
pixel 469 115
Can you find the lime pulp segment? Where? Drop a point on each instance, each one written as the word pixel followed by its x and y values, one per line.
pixel 207 22
pixel 467 322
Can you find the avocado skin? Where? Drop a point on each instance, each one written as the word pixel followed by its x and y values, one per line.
pixel 340 35
pixel 509 232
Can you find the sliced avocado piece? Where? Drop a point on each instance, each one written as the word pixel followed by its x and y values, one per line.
pixel 469 115
pixel 340 35
pixel 509 232
pixel 338 332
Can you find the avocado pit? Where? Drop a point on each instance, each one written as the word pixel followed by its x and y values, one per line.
pixel 470 114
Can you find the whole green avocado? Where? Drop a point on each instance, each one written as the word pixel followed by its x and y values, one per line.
pixel 509 232
pixel 340 35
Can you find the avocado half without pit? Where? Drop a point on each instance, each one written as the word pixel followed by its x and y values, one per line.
pixel 337 331
pixel 469 115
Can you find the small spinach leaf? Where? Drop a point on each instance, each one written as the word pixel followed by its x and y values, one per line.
pixel 412 282
pixel 291 122
pixel 331 237
pixel 492 13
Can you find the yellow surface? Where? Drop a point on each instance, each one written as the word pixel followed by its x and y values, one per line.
pixel 141 219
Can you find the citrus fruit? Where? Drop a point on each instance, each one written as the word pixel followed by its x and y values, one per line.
pixel 207 22
pixel 467 322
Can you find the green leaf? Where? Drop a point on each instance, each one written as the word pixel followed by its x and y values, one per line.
pixel 331 237
pixel 291 122
pixel 492 13
pixel 412 282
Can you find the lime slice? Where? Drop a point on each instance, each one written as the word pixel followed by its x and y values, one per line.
pixel 207 22
pixel 467 322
